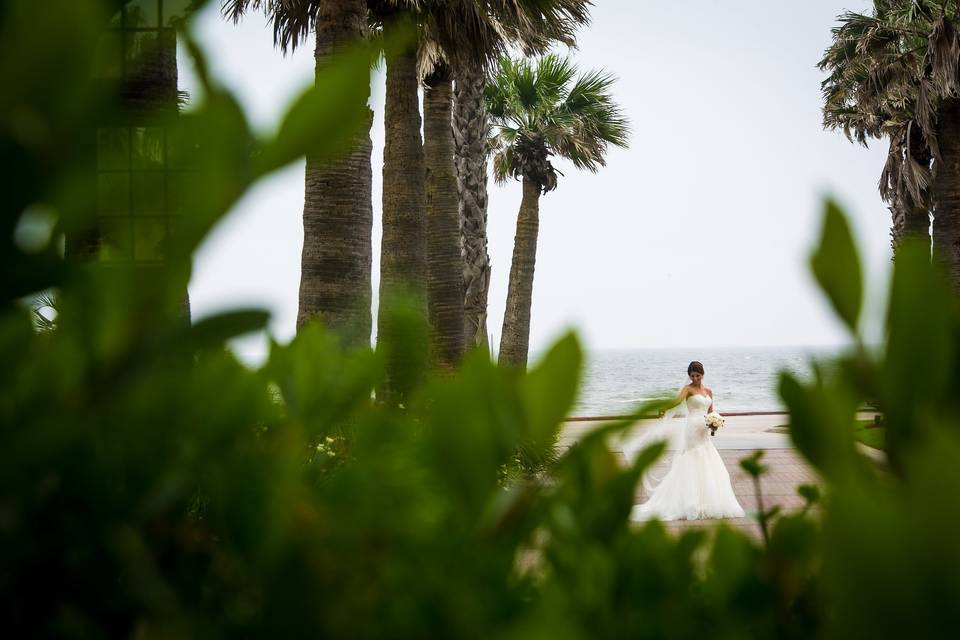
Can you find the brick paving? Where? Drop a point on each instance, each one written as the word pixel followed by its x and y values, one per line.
pixel 786 471
pixel 741 437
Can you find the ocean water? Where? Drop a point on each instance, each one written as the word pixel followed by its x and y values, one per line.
pixel 742 379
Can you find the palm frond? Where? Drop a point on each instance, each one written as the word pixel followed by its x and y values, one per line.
pixel 291 20
pixel 589 89
pixel 944 52
pixel 235 10
pixel 552 75
pixel 45 309
pixel 534 25
pixel 887 75
pixel 525 92
pixel 502 164
pixel 543 108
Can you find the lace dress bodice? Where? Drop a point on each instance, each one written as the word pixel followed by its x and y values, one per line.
pixel 697 404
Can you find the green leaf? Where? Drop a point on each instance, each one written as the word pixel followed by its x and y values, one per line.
pixel 836 265
pixel 210 148
pixel 918 379
pixel 810 493
pixel 821 421
pixel 646 458
pixel 751 464
pixel 26 274
pixel 215 330
pixel 322 385
pixel 732 560
pixel 613 501
pixel 550 389
pixel 794 540
pixel 772 512
pixel 403 340
pixel 325 119
pixel 473 423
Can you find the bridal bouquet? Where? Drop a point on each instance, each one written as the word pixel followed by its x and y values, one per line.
pixel 714 421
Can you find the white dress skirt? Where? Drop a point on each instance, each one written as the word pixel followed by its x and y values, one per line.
pixel 696 485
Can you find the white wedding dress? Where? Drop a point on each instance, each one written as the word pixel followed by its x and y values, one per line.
pixel 697 484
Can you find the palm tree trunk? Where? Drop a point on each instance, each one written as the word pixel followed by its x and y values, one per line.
pixel 910 219
pixel 444 264
pixel 403 249
pixel 946 192
pixel 337 211
pixel 515 338
pixel 470 131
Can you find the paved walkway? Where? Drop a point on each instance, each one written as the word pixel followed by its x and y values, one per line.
pixel 739 432
pixel 787 470
pixel 740 437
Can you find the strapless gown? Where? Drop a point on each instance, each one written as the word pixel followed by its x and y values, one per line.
pixel 697 485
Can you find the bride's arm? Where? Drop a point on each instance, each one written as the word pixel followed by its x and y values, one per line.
pixel 710 408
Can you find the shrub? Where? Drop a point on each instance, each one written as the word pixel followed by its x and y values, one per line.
pixel 152 486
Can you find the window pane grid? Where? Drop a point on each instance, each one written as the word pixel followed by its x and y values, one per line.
pixel 136 206
pixel 126 34
pixel 135 178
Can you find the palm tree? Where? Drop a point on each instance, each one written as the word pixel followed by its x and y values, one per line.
pixel 470 126
pixel 465 35
pixel 447 30
pixel 896 74
pixel 335 277
pixel 403 242
pixel 409 217
pixel 444 265
pixel 421 249
pixel 532 25
pixel 542 109
pixel 453 34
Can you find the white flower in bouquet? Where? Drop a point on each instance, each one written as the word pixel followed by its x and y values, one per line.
pixel 714 421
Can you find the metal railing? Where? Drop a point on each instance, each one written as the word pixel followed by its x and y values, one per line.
pixel 652 416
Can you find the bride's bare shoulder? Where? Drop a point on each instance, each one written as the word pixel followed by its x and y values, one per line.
pixel 709 391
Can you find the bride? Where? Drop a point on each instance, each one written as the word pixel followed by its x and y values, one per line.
pixel 697 484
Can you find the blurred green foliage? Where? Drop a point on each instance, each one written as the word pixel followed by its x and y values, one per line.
pixel 152 486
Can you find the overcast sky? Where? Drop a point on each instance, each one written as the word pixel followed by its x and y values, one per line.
pixel 697 235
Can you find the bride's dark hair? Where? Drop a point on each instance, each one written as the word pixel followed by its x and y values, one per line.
pixel 695 367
